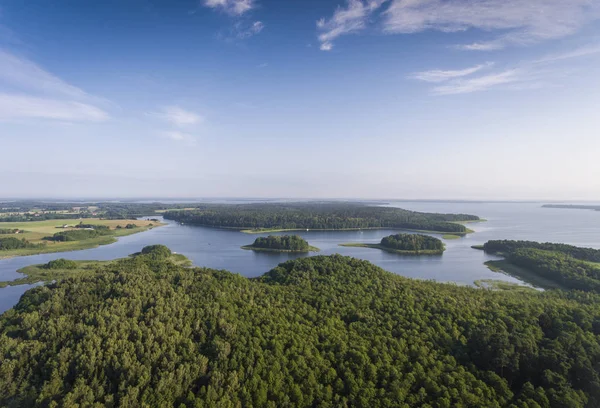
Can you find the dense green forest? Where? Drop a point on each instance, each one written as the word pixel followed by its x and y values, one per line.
pixel 318 216
pixel 9 243
pixel 61 263
pixel 323 331
pixel 293 243
pixel 412 242
pixel 507 246
pixel 77 235
pixel 569 266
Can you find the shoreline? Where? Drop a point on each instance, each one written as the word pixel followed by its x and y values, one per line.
pixel 394 251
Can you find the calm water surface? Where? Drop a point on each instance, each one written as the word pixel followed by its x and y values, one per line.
pixel 220 249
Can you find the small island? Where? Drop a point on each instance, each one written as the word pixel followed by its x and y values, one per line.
pixel 406 244
pixel 283 243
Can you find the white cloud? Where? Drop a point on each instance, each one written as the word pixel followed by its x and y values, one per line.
pixel 346 20
pixel 181 137
pixel 482 83
pixel 579 52
pixel 27 90
pixel 438 75
pixel 242 32
pixel 234 7
pixel 179 117
pixel 19 106
pixel 522 22
pixel 518 22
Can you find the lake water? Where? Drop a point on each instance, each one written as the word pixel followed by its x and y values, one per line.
pixel 220 249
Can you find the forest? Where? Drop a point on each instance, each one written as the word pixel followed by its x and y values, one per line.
pixel 324 331
pixel 412 242
pixel 292 243
pixel 10 243
pixel 569 266
pixel 292 216
pixel 77 235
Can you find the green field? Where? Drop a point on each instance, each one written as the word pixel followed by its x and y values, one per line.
pixel 451 236
pixel 394 251
pixel 35 231
pixel 258 249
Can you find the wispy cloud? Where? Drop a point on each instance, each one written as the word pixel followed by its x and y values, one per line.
pixel 438 75
pixel 526 75
pixel 178 116
pixel 517 22
pixel 346 20
pixel 39 94
pixel 19 106
pixel 180 137
pixel 521 22
pixel 242 30
pixel 233 7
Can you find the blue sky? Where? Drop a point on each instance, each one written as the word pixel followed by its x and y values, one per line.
pixel 462 99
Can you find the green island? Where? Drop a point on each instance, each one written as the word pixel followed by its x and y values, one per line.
pixel 547 265
pixel 63 268
pixel 62 235
pixel 281 243
pixel 270 217
pixel 323 331
pixel 406 244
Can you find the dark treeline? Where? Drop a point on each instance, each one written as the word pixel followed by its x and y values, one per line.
pixel 285 243
pixel 569 266
pixel 318 216
pixel 412 242
pixel 93 226
pixel 77 235
pixel 15 243
pixel 8 231
pixel 322 331
pixel 507 246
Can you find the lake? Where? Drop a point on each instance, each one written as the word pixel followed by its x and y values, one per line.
pixel 220 249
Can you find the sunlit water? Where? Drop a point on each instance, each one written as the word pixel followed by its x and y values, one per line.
pixel 220 249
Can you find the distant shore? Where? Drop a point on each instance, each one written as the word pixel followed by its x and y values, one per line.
pixel 392 250
pixel 259 249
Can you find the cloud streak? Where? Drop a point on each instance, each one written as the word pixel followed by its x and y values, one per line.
pixel 233 7
pixel 438 75
pixel 517 22
pixel 527 75
pixel 36 93
pixel 180 137
pixel 179 117
pixel 346 20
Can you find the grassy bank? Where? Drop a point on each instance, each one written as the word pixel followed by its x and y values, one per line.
pixel 264 231
pixel 451 236
pixel 259 249
pixel 36 231
pixel 499 285
pixel 395 251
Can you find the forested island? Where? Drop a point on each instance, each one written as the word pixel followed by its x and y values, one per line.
pixel 321 331
pixel 406 244
pixel 283 243
pixel 563 266
pixel 573 206
pixel 270 217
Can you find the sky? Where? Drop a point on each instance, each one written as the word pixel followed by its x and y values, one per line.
pixel 405 99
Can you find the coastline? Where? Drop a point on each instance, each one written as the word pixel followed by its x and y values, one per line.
pixel 258 249
pixel 394 251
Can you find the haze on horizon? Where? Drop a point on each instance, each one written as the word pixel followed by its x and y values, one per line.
pixel 436 99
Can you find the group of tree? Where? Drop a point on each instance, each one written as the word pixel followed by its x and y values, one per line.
pixel 9 243
pixel 92 226
pixel 61 263
pixel 325 331
pixel 318 216
pixel 412 242
pixel 8 231
pixel 283 243
pixel 77 235
pixel 569 266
